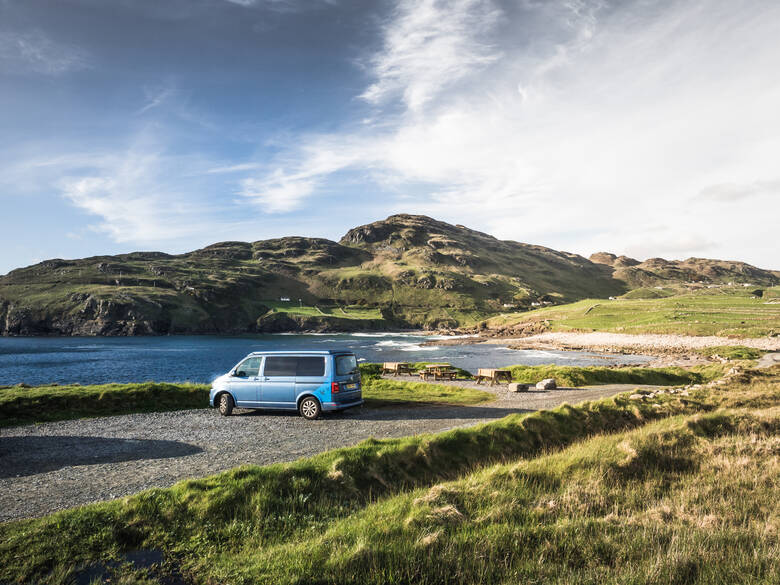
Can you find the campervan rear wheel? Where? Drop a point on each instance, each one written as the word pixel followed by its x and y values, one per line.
pixel 226 404
pixel 309 408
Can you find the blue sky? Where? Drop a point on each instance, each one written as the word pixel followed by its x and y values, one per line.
pixel 649 128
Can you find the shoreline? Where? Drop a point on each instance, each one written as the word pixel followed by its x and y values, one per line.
pixel 668 349
pixel 659 344
pixel 607 342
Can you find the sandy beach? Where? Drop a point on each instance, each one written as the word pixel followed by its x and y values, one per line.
pixel 653 344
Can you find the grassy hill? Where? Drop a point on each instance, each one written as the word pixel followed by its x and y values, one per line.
pixel 728 311
pixel 657 271
pixel 403 272
pixel 667 488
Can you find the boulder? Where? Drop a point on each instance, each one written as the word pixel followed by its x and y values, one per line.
pixel 636 397
pixel 546 384
pixel 517 387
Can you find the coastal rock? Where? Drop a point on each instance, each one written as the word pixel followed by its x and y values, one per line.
pixel 426 281
pixel 516 387
pixel 546 384
pixel 286 322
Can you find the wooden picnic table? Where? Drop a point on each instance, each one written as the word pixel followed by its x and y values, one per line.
pixel 493 375
pixel 439 372
pixel 396 368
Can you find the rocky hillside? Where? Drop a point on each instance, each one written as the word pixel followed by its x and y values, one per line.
pixel 660 272
pixel 404 272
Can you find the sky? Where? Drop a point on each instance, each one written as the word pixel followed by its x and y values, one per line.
pixel 647 127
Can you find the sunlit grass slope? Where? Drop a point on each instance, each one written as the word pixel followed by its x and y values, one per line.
pixel 733 312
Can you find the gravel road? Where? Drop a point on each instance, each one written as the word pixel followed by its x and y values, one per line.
pixel 53 466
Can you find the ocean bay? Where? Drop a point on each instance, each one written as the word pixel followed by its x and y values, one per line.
pixel 101 360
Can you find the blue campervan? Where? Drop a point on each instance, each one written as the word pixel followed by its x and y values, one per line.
pixel 310 382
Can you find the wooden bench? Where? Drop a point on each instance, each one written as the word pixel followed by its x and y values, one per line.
pixel 493 375
pixel 439 372
pixel 396 368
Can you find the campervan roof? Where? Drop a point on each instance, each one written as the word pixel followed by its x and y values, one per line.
pixel 303 352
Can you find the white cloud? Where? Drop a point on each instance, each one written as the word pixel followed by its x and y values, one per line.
pixel 624 112
pixel 237 168
pixel 667 242
pixel 35 52
pixel 429 46
pixel 278 193
pixel 730 192
pixel 280 5
pixel 133 199
pixel 156 97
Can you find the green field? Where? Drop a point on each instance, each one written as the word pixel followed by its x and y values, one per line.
pixel 666 490
pixel 342 312
pixel 725 312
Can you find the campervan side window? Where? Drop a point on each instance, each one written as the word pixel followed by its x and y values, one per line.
pixel 279 366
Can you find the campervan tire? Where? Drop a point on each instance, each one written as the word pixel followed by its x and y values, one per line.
pixel 309 408
pixel 226 404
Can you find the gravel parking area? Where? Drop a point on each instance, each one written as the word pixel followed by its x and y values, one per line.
pixel 53 466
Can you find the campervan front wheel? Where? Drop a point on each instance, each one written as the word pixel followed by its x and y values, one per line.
pixel 226 404
pixel 309 408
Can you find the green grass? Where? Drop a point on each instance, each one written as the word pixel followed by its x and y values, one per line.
pixel 688 500
pixel 726 312
pixel 378 391
pixel 382 392
pixel 342 312
pixel 649 293
pixel 51 403
pixel 586 376
pixel 668 490
pixel 733 352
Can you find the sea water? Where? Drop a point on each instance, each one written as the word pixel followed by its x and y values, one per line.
pixel 99 360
